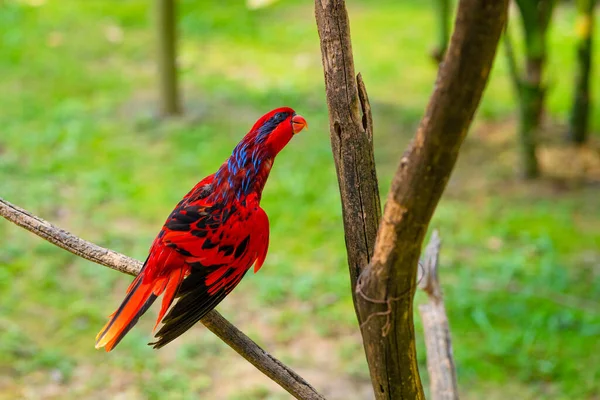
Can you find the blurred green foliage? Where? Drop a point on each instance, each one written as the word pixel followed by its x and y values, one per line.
pixel 81 147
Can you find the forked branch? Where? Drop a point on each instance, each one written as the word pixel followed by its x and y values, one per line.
pixel 383 261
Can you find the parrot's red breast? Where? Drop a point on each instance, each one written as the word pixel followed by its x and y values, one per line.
pixel 210 240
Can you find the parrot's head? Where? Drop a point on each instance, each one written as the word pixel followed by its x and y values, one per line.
pixel 248 167
pixel 275 129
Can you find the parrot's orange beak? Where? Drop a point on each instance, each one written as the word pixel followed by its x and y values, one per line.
pixel 298 123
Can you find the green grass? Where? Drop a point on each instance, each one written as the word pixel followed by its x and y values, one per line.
pixel 81 147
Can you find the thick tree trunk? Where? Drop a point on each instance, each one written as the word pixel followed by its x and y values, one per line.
pixel 531 107
pixel 384 287
pixel 579 119
pixel 166 53
pixel 530 90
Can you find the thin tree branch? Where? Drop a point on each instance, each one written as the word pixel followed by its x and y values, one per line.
pixel 215 322
pixel 440 361
pixel 68 241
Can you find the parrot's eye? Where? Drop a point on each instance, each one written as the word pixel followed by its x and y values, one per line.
pixel 269 125
pixel 280 117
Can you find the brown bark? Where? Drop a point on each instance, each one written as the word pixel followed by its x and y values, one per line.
pixel 351 133
pixel 384 291
pixel 440 361
pixel 215 322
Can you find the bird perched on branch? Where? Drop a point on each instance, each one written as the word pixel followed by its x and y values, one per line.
pixel 210 240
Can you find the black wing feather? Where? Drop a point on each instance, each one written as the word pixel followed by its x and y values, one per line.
pixel 193 303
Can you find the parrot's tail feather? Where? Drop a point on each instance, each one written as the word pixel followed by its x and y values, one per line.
pixel 171 287
pixel 140 296
pixel 112 343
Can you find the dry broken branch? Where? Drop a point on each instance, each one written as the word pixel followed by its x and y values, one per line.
pixel 215 322
pixel 440 361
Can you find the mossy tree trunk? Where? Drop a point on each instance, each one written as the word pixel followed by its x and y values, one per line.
pixel 529 84
pixel 531 103
pixel 579 118
pixel 166 56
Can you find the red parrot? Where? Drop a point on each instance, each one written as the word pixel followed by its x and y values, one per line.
pixel 210 240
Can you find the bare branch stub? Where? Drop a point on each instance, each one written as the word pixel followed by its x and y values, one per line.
pixel 440 358
pixel 429 281
pixel 416 188
pixel 215 322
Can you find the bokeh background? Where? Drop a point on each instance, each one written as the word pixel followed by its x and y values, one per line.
pixel 81 146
